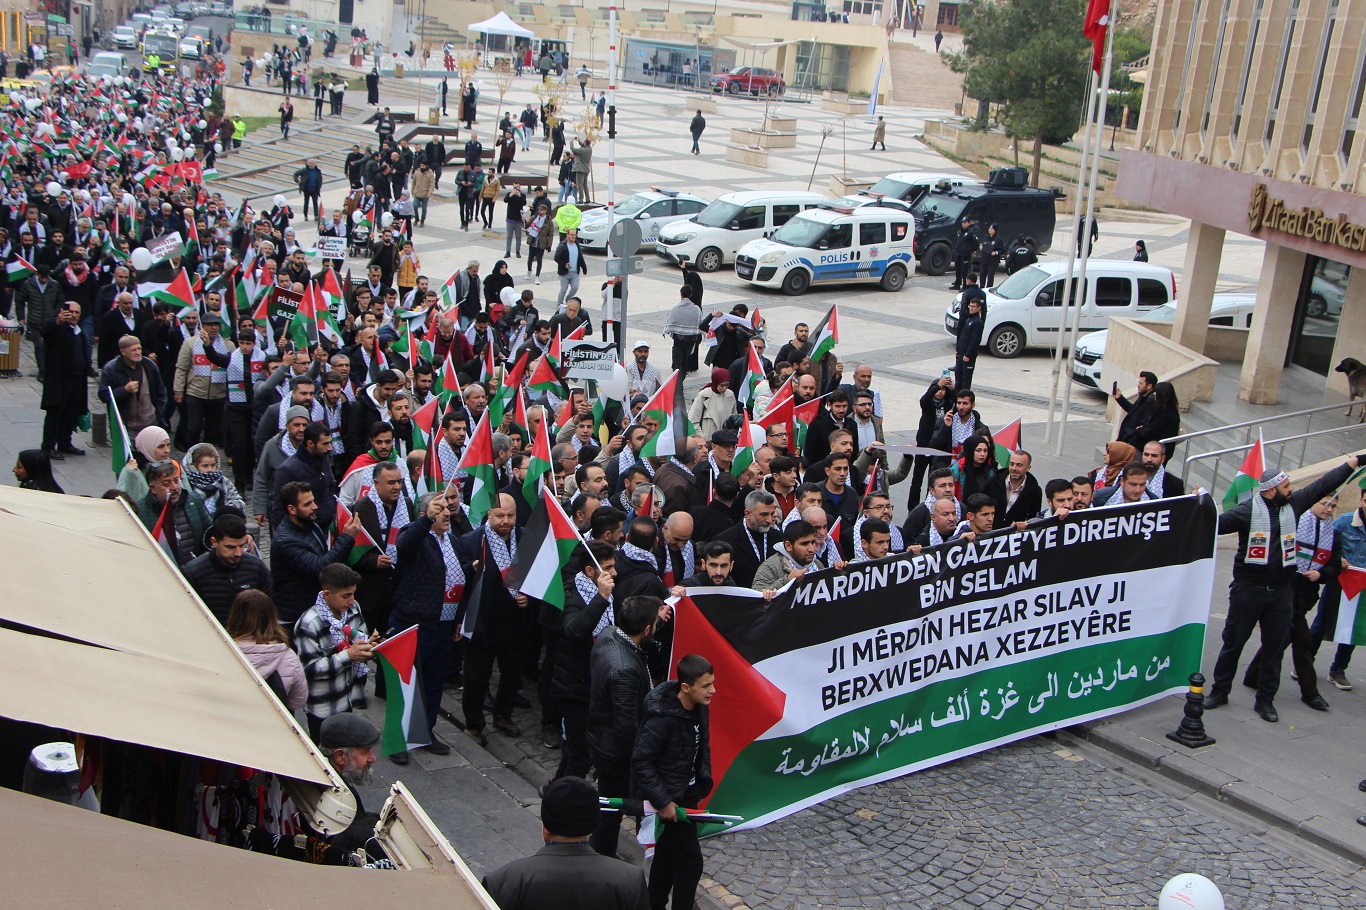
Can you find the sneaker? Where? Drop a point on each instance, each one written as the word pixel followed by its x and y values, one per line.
pixel 1295 676
pixel 1339 679
pixel 550 737
pixel 505 726
pixel 538 279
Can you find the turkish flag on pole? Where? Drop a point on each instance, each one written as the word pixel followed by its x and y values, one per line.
pixel 1097 21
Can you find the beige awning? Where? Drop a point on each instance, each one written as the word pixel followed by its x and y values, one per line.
pixel 104 637
pixel 60 856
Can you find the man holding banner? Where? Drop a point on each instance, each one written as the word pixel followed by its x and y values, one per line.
pixel 1263 568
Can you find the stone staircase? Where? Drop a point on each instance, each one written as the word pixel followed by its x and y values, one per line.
pixel 266 164
pixel 436 32
pixel 921 79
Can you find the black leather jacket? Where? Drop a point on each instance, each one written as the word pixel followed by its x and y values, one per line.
pixel 616 695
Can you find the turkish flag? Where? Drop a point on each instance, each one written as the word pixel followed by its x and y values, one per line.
pixel 1095 26
pixel 79 170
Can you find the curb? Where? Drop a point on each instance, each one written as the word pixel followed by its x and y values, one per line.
pixel 1185 768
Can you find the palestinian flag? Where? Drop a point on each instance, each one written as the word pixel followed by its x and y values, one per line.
pixel 120 443
pixel 827 336
pixel 802 415
pixel 872 485
pixel 539 468
pixel 565 417
pixel 447 385
pixel 364 544
pixel 666 406
pixel 477 461
pixel 834 534
pixel 779 406
pixel 424 419
pixel 406 345
pixel 754 374
pixel 744 452
pixel 519 418
pixel 19 269
pixel 1248 478
pixel 377 361
pixel 367 218
pixel 1007 440
pixel 163 530
pixel 172 287
pixel 405 715
pixel 512 382
pixel 495 397
pixel 488 367
pixel 1351 627
pixel 332 296
pixel 755 320
pixel 191 240
pixel 552 354
pixel 303 325
pixel 427 422
pixel 546 377
pixel 548 542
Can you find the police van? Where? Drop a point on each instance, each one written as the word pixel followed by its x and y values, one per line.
pixel 833 244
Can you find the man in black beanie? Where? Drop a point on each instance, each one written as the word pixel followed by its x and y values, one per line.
pixel 566 873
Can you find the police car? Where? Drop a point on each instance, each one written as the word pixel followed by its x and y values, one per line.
pixel 833 244
pixel 651 210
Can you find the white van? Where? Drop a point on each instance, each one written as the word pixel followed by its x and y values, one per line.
pixel 833 245
pixel 1026 310
pixel 905 186
pixel 713 236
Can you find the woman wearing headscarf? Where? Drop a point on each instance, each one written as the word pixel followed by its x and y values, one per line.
pixel 713 404
pixel 495 281
pixel 33 470
pixel 150 446
pixel 1117 455
pixel 200 473
pixel 975 468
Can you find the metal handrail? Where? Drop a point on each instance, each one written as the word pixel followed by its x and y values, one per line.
pixel 1173 440
pixel 1218 454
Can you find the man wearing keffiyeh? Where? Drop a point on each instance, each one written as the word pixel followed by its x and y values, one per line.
pixel 491 618
pixel 1263 568
pixel 334 646
pixel 384 512
pixel 587 612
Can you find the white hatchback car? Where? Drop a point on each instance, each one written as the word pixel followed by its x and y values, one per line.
pixel 651 210
pixel 1231 310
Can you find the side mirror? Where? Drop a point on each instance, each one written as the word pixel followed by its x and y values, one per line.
pixel 734 225
pixel 1044 299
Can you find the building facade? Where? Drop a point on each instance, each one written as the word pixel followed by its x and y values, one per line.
pixel 1250 124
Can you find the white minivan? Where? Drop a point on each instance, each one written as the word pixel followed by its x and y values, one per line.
pixel 833 245
pixel 906 186
pixel 1026 310
pixel 713 236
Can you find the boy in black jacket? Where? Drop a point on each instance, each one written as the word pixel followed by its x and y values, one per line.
pixel 671 767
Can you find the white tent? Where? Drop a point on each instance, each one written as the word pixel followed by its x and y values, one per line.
pixel 501 24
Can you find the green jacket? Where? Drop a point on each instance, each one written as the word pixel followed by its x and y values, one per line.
pixel 149 510
pixel 239 129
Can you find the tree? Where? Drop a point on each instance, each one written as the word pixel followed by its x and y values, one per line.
pixel 1030 58
pixel 503 75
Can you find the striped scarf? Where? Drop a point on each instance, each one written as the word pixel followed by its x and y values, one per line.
pixel 504 552
pixel 1155 482
pixel 897 543
pixel 960 431
pixel 344 635
pixel 627 459
pixel 588 589
pixel 455 576
pixel 203 367
pixel 631 551
pixel 237 374
pixel 689 557
pixel 957 506
pixel 1313 542
pixel 1258 551
pixel 315 415
pixel 389 527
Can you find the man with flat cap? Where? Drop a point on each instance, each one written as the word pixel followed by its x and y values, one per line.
pixel 1263 567
pixel 566 873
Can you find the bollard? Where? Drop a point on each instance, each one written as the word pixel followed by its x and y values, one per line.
pixel 1191 733
pixel 99 428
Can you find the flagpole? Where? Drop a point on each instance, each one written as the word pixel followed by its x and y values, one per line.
pixel 1072 252
pixel 612 174
pixel 1084 225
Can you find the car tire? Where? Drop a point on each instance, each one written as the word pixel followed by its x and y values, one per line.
pixel 709 260
pixel 894 279
pixel 733 88
pixel 937 259
pixel 1006 341
pixel 1317 307
pixel 796 283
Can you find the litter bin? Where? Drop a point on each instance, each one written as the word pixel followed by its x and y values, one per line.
pixel 433 115
pixel 10 338
pixel 357 60
pixel 398 70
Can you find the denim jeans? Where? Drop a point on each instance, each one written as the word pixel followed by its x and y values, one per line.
pixel 420 208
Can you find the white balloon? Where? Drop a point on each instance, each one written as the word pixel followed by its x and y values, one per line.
pixel 177 154
pixel 122 117
pixel 141 258
pixel 171 142
pixel 614 388
pixel 386 219
pixel 280 200
pixel 1190 891
pixel 217 147
pixel 757 434
pixel 509 296
pixel 53 188
pixel 203 124
pixel 356 216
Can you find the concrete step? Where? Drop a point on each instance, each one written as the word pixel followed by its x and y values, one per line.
pixel 922 79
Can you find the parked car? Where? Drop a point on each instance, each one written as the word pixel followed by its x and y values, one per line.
pixel 713 236
pixel 125 36
pixel 651 210
pixel 108 63
pixel 202 32
pixel 756 80
pixel 1230 310
pixel 1026 310
pixel 832 245
pixel 1006 200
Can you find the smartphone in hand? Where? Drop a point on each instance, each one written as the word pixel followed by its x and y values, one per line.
pixel 1114 388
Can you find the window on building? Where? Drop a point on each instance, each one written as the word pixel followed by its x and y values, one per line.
pixel 948 14
pixel 1349 127
pixel 1246 71
pixel 1186 67
pixel 1319 66
pixel 1281 63
pixel 1214 68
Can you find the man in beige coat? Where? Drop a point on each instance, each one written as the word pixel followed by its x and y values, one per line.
pixel 424 184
